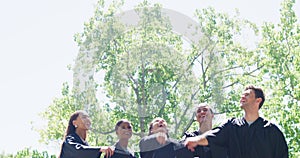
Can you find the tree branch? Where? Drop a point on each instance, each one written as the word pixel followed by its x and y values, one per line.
pixel 190 65
pixel 189 124
pixel 98 131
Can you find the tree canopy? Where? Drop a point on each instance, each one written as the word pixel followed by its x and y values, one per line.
pixel 147 70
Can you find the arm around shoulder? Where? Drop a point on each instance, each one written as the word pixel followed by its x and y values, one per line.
pixel 192 142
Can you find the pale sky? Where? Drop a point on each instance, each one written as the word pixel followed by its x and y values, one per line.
pixel 36 45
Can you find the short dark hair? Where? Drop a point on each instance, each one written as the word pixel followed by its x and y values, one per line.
pixel 120 122
pixel 203 105
pixel 151 126
pixel 258 93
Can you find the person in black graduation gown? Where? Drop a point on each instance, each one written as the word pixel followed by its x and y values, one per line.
pixel 247 137
pixel 204 116
pixel 158 144
pixel 123 130
pixel 75 144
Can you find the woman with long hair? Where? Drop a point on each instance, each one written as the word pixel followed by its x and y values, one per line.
pixel 75 144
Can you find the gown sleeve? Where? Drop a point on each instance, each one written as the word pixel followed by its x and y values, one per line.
pixel 180 150
pixel 218 140
pixel 72 148
pixel 279 142
pixel 219 135
pixel 147 146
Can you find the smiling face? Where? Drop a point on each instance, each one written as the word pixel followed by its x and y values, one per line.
pixel 83 121
pixel 124 130
pixel 204 113
pixel 248 100
pixel 158 125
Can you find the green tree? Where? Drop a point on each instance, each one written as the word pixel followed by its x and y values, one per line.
pixel 57 116
pixel 151 71
pixel 143 67
pixel 226 64
pixel 28 153
pixel 280 48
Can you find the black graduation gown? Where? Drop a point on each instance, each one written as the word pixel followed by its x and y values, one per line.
pixel 150 148
pixel 74 147
pixel 120 153
pixel 205 151
pixel 261 139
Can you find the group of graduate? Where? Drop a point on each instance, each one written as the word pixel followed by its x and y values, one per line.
pixel 248 137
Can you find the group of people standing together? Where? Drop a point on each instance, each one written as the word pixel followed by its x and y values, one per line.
pixel 248 137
